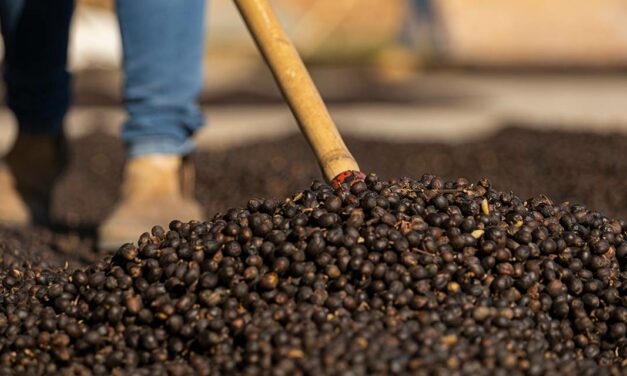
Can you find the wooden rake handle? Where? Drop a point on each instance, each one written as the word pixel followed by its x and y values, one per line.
pixel 299 91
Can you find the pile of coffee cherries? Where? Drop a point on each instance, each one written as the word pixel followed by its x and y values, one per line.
pixel 410 276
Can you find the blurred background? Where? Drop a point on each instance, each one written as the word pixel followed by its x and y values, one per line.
pixel 530 93
pixel 481 33
pixel 426 69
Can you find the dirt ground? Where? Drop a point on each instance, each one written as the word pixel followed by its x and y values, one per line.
pixel 578 167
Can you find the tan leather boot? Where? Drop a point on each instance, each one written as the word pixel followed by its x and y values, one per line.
pixel 13 210
pixel 156 189
pixel 27 178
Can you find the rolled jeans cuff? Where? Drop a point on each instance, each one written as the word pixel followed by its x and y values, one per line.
pixel 160 145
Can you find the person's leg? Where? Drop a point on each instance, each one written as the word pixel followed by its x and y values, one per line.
pixel 35 34
pixel 163 54
pixel 163 50
pixel 421 28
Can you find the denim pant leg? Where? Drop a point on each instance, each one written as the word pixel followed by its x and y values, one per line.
pixel 35 36
pixel 163 42
pixel 423 8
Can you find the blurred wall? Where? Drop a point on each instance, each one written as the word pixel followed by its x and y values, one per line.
pixel 535 32
pixel 318 27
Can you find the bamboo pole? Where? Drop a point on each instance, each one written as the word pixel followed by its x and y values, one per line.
pixel 298 88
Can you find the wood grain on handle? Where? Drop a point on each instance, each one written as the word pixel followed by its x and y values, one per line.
pixel 297 87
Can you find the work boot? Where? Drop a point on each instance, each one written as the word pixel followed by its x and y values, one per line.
pixel 27 178
pixel 13 210
pixel 156 189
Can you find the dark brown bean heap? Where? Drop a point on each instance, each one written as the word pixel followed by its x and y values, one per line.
pixel 401 277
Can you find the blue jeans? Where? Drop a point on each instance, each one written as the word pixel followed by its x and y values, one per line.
pixel 163 49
